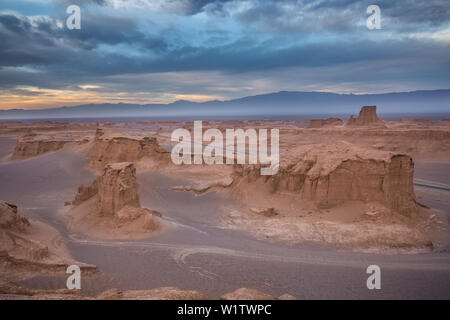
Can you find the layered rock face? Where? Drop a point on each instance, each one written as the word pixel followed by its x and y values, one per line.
pixel 367 116
pixel 27 147
pixel 122 149
pixel 398 187
pixel 117 188
pixel 329 175
pixel 117 195
pixel 320 123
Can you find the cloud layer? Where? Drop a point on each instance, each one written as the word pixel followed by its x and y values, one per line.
pixel 158 51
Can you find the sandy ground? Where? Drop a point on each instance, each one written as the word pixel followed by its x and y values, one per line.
pixel 203 253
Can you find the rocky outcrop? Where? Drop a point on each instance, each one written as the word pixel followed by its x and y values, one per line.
pixel 320 123
pixel 367 116
pixel 129 214
pixel 13 228
pixel 85 192
pixel 111 149
pixel 31 247
pixel 357 226
pixel 398 185
pixel 117 196
pixel 28 147
pixel 117 188
pixel 329 175
pixel 10 219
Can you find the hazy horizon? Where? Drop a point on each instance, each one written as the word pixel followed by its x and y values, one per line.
pixel 277 105
pixel 80 103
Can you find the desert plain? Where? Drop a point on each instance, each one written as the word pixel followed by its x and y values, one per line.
pixel 106 196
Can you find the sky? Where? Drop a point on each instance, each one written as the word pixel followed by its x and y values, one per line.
pixel 156 51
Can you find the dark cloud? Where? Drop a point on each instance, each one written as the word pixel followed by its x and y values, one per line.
pixel 97 29
pixel 345 15
pixel 14 24
pixel 320 35
pixel 196 6
pixel 45 43
pixel 23 44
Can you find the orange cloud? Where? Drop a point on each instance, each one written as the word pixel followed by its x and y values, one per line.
pixel 37 98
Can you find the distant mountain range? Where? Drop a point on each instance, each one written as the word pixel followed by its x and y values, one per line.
pixel 280 104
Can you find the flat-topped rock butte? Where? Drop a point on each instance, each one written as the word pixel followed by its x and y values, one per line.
pixel 367 116
pixel 329 175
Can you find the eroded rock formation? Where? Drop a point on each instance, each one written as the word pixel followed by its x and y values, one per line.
pixel 320 123
pixel 27 147
pixel 367 116
pixel 111 149
pixel 117 188
pixel 329 175
pixel 29 247
pixel 13 227
pixel 10 219
pixel 117 196
pixel 85 192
